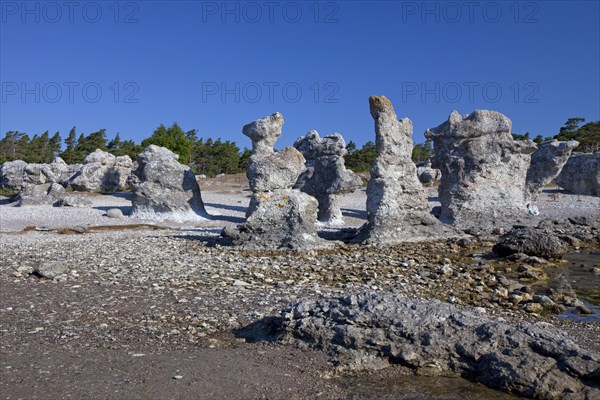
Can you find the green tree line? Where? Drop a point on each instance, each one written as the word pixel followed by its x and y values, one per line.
pixel 587 135
pixel 205 156
pixel 212 157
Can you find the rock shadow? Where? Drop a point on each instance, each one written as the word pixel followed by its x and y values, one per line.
pixel 351 213
pixel 228 218
pixel 266 329
pixel 121 195
pixel 343 234
pixel 226 207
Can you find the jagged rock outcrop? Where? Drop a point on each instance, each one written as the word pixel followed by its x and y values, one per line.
pixel 372 330
pixel 546 163
pixel 102 172
pixel 397 206
pixel 167 190
pixel 581 174
pixel 483 170
pixel 40 194
pixel 427 174
pixel 11 174
pixel 279 217
pixel 326 176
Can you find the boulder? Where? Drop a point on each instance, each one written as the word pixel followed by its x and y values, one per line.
pixel 166 189
pixel 397 206
pixel 427 174
pixel 42 194
pixel 115 213
pixel 102 172
pixel 279 217
pixel 63 171
pixel 530 241
pixel 373 330
pixel 546 163
pixel 581 174
pixel 11 174
pixel 37 174
pixel 483 170
pixel 326 176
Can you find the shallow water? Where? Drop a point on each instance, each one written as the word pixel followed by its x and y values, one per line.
pixel 577 275
pixel 421 388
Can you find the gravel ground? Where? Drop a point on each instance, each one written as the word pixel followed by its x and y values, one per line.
pixel 136 313
pixel 228 208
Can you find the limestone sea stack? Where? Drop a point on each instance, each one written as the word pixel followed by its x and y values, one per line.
pixel 483 170
pixel 397 206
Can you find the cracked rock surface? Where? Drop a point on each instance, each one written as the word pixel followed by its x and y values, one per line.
pixel 370 330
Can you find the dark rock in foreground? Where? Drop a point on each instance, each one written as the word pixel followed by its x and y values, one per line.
pixel 372 330
pixel 530 241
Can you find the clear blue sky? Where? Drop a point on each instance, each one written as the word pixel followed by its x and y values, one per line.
pixel 200 64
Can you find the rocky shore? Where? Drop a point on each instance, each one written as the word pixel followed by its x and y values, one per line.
pixel 166 290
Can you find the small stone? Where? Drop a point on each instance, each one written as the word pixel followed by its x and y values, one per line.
pixel 50 270
pixel 583 310
pixel 115 213
pixel 534 308
pixel 177 377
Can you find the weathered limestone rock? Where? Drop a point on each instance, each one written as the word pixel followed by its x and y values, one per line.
pixel 279 217
pixel 397 206
pixel 483 170
pixel 326 176
pixel 267 169
pixel 546 163
pixel 37 174
pixel 282 219
pixel 427 174
pixel 372 330
pixel 167 190
pixel 11 174
pixel 42 194
pixel 102 171
pixel 275 170
pixel 581 174
pixel 63 171
pixel 18 174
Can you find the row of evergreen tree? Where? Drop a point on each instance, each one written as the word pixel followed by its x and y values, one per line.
pixel 205 156
pixel 211 157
